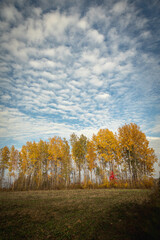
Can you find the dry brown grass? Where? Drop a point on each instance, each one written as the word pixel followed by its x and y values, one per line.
pixel 68 214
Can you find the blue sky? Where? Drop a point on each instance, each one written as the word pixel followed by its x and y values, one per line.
pixel 77 66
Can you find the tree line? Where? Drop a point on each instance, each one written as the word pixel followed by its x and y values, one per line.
pixel 60 163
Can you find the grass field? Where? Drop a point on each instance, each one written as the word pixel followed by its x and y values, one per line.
pixel 79 214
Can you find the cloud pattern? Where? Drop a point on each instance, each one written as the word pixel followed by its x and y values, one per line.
pixel 78 66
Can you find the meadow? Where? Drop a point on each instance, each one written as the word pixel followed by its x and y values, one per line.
pixel 89 214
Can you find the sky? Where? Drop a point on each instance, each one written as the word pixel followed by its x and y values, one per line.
pixel 77 66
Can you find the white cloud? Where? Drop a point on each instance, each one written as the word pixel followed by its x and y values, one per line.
pixel 145 34
pixel 78 84
pixel 95 36
pixel 156 128
pixel 16 50
pixel 153 138
pixel 21 126
pixel 37 11
pixel 104 65
pixel 140 23
pixel 76 69
pixel 6 97
pixel 55 24
pixel 10 13
pixel 82 72
pixel 103 96
pixel 120 7
pixel 98 15
pixel 34 30
pixel 83 24
pixel 44 64
pixel 109 66
pixel 96 82
pixel 90 56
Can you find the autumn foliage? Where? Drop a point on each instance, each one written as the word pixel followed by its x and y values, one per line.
pixel 121 160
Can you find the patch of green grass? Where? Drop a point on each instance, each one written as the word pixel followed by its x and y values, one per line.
pixel 77 214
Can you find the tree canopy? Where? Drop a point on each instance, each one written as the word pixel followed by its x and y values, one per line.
pixel 58 162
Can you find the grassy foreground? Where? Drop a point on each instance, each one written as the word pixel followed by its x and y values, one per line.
pixel 79 214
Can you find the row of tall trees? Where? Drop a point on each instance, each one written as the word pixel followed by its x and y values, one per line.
pixel 58 162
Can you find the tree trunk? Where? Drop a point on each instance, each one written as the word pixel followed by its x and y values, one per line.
pixel 79 168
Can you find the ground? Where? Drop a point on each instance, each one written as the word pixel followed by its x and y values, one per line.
pixel 93 214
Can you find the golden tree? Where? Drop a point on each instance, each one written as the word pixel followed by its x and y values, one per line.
pixel 137 155
pixel 43 164
pixel 57 150
pixel 13 165
pixel 24 167
pixel 66 167
pixel 79 150
pixel 5 154
pixel 91 156
pixel 108 150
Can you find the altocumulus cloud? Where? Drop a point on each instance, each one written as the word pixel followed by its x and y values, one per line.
pixel 78 66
